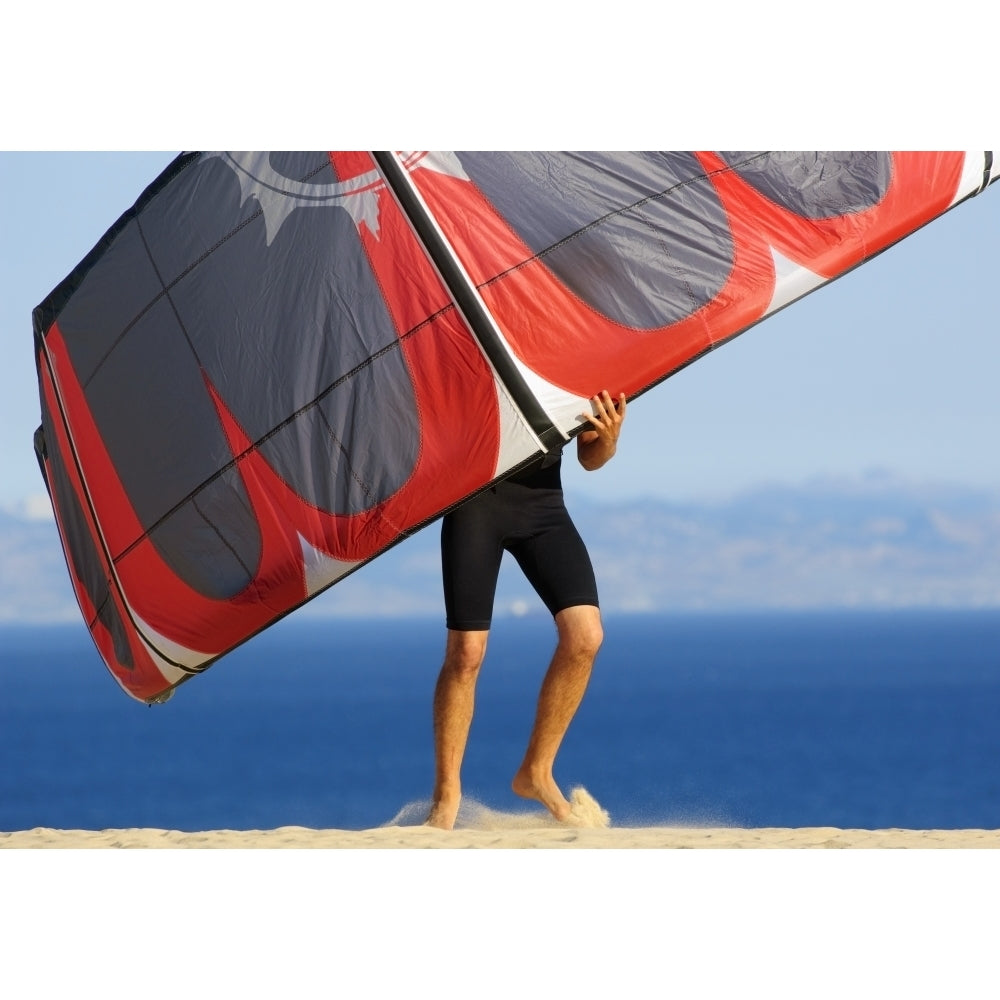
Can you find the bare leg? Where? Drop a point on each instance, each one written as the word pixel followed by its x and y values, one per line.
pixel 454 700
pixel 580 636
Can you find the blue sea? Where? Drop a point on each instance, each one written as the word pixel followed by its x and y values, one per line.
pixel 860 719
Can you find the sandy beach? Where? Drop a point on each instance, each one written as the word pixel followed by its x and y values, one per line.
pixel 478 826
pixel 294 837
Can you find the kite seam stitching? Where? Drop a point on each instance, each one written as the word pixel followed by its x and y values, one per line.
pixel 669 258
pixel 259 442
pixel 246 569
pixel 165 290
pixel 397 343
pixel 195 263
pixel 635 206
pixel 354 474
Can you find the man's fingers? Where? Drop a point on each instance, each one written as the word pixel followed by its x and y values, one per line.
pixel 607 411
pixel 610 407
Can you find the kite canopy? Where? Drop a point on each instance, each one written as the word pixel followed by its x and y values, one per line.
pixel 275 366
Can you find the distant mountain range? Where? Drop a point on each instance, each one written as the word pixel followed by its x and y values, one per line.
pixel 872 543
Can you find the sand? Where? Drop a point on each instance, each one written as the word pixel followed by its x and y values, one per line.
pixel 589 827
pixel 541 837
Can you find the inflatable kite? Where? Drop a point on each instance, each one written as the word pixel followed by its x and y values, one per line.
pixel 275 366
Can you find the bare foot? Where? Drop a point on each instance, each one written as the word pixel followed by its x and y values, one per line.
pixel 542 788
pixel 444 812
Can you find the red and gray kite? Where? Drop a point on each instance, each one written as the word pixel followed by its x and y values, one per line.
pixel 275 366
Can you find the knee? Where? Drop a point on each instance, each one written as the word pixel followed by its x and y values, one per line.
pixel 583 636
pixel 465 653
pixel 589 641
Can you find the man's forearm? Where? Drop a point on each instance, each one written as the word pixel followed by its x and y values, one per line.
pixel 594 454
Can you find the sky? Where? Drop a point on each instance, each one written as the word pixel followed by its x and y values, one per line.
pixel 891 369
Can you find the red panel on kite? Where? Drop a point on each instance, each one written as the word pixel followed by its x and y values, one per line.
pixel 612 268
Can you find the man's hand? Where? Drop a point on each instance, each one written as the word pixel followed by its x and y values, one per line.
pixel 596 447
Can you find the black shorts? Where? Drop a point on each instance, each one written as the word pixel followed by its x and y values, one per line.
pixel 535 527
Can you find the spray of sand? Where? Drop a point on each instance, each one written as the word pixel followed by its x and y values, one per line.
pixel 586 813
